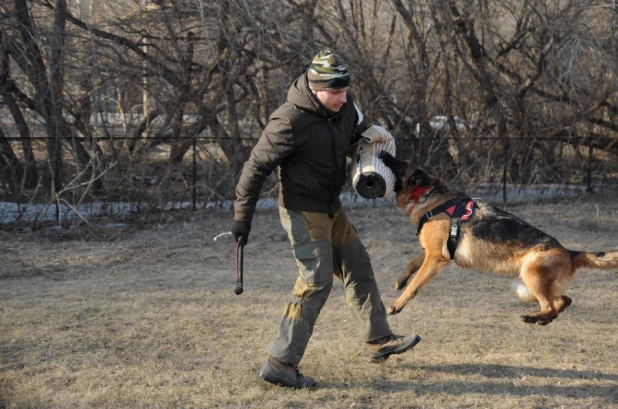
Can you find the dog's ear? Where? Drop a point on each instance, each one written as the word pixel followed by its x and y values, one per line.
pixel 397 166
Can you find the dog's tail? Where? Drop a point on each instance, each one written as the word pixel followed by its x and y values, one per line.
pixel 603 260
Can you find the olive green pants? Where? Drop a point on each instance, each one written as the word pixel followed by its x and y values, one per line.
pixel 325 246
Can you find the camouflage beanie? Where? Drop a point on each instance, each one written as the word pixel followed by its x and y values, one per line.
pixel 328 72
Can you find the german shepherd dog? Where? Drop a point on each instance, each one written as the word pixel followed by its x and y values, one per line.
pixel 491 240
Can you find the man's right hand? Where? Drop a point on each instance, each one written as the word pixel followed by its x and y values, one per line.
pixel 241 230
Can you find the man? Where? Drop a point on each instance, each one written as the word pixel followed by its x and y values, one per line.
pixel 308 138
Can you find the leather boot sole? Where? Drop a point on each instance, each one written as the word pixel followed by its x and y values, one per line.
pixel 281 381
pixel 387 352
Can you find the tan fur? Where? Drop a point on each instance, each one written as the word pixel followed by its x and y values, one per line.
pixel 544 270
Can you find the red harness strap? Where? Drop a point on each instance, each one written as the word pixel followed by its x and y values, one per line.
pixel 456 209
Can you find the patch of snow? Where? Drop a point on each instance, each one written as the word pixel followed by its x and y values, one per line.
pixel 11 212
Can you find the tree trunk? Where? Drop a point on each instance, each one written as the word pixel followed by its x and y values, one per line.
pixel 30 174
pixel 11 168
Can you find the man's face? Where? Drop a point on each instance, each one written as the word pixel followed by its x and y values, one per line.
pixel 332 100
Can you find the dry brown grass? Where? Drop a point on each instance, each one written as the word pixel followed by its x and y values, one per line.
pixel 121 317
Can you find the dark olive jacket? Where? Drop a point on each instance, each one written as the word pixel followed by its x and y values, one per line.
pixel 309 144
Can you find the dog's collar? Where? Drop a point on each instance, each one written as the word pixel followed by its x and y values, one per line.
pixel 417 193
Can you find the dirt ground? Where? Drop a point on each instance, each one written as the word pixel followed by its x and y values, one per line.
pixel 145 316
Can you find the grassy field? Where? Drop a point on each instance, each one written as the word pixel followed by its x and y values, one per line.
pixel 146 317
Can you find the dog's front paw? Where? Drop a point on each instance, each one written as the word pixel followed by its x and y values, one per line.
pixel 393 309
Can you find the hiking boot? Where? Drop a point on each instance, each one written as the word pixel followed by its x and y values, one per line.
pixel 280 373
pixel 382 348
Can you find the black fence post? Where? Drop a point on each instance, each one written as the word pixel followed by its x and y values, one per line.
pixel 505 170
pixel 58 175
pixel 589 182
pixel 194 176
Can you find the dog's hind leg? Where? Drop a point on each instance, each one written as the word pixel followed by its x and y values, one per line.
pixel 548 276
pixel 412 267
pixel 560 303
pixel 540 287
pixel 547 314
pixel 523 293
pixel 559 287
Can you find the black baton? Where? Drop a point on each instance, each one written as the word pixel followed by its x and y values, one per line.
pixel 239 248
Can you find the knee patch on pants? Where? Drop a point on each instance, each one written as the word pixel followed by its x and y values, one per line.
pixel 315 279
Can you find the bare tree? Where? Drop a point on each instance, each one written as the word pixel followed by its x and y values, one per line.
pixel 510 87
pixel 26 170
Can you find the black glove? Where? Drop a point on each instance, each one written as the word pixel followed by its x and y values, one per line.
pixel 241 229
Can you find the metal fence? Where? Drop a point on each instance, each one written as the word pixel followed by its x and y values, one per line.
pixel 207 180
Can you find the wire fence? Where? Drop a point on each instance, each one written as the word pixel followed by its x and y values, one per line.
pixel 205 176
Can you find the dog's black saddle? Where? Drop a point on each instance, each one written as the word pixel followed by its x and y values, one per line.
pixel 459 210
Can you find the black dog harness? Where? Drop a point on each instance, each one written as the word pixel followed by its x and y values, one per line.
pixel 459 210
